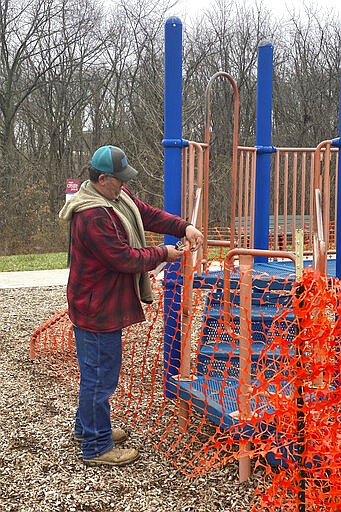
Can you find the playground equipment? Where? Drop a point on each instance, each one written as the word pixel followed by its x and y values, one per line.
pixel 239 358
pixel 233 347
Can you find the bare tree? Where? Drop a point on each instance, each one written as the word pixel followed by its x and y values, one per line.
pixel 306 89
pixel 228 41
pixel 21 27
pixel 74 75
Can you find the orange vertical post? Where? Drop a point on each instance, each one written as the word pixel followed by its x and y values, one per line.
pixel 245 266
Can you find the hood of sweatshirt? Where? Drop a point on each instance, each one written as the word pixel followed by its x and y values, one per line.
pixel 87 197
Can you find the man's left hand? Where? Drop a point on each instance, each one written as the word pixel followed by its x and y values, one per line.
pixel 195 237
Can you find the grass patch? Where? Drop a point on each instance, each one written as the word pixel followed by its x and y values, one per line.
pixel 20 262
pixel 53 260
pixel 217 253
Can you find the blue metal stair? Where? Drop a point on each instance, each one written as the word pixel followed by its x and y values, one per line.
pixel 217 399
pixel 219 350
pixel 214 392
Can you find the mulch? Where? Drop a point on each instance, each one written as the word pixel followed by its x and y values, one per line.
pixel 40 465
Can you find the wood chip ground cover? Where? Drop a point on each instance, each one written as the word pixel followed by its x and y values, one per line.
pixel 40 465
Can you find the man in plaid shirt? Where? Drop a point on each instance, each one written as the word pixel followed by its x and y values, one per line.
pixel 109 265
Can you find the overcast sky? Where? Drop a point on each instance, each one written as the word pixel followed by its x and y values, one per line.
pixel 280 8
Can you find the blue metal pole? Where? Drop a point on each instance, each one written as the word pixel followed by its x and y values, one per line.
pixel 172 144
pixel 263 143
pixel 336 142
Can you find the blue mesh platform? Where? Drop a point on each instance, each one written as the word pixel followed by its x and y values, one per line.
pixel 277 269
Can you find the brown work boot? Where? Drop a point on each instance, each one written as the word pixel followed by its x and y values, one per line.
pixel 116 457
pixel 118 436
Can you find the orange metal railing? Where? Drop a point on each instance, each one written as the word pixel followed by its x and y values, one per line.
pixel 296 172
pixel 236 103
pixel 246 258
pixel 325 179
pixel 195 168
pixel 245 209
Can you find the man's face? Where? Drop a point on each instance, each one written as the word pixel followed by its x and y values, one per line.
pixel 109 186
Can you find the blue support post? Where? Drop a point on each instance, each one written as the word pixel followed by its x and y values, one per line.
pixel 172 144
pixel 263 143
pixel 336 142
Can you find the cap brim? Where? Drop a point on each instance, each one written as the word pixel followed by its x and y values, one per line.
pixel 127 174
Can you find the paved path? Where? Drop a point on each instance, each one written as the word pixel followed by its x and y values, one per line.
pixel 34 278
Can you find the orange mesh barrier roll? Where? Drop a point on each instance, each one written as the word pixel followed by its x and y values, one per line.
pixel 277 404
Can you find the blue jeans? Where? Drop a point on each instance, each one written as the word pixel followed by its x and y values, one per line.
pixel 99 357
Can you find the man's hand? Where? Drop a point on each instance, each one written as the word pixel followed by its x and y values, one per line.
pixel 173 254
pixel 195 237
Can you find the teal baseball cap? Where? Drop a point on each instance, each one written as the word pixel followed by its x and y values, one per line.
pixel 112 160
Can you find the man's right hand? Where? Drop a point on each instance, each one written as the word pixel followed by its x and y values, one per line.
pixel 173 254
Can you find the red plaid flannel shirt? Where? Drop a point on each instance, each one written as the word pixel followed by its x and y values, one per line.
pixel 101 292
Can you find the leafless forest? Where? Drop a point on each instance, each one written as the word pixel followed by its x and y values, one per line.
pixel 75 74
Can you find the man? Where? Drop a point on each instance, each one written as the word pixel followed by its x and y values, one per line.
pixel 109 265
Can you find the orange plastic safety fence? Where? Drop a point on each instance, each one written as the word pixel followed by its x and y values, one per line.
pixel 52 345
pixel 278 403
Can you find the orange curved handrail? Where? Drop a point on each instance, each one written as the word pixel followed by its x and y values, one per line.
pixel 207 153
